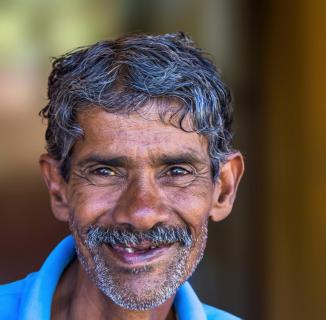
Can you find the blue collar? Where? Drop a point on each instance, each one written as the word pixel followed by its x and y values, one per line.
pixel 37 296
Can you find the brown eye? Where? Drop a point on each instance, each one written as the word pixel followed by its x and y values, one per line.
pixel 178 171
pixel 103 172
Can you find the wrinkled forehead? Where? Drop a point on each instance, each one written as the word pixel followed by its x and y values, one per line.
pixel 146 130
pixel 168 110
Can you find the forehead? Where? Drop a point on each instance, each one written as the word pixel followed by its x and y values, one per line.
pixel 139 132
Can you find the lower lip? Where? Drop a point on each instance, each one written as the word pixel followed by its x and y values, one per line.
pixel 140 258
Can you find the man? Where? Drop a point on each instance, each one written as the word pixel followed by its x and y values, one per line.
pixel 139 159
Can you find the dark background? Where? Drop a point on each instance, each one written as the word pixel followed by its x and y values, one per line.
pixel 267 260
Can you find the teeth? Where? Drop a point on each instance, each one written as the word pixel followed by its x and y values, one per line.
pixel 129 250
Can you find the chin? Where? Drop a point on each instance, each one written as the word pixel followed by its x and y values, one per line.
pixel 141 281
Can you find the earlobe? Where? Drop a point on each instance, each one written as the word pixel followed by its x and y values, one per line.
pixel 226 186
pixel 56 186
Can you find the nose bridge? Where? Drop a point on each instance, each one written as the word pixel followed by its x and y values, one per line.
pixel 142 195
pixel 140 205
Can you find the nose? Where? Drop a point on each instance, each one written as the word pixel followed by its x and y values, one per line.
pixel 140 206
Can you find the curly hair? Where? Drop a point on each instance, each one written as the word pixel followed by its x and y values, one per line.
pixel 123 75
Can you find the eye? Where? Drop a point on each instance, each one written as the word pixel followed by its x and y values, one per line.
pixel 178 171
pixel 178 176
pixel 103 172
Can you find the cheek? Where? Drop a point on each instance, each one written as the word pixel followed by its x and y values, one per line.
pixel 192 204
pixel 89 205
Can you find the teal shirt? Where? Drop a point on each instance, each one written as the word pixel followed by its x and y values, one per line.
pixel 31 298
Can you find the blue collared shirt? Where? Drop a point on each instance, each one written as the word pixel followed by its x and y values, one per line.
pixel 31 298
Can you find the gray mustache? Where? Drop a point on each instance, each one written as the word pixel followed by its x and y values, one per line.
pixel 158 235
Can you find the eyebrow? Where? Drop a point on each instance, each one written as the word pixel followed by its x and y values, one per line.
pixel 184 157
pixel 123 161
pixel 108 161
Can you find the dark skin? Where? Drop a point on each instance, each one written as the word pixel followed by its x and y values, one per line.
pixel 139 171
pixel 73 290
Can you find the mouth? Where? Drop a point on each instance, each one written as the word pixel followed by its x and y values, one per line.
pixel 137 255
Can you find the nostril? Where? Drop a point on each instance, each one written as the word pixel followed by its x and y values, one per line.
pixel 57 197
pixel 140 217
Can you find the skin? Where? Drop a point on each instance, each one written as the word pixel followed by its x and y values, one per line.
pixel 165 177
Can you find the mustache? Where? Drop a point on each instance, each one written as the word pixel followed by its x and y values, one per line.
pixel 158 235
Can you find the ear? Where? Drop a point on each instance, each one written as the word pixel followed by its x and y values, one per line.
pixel 56 185
pixel 226 186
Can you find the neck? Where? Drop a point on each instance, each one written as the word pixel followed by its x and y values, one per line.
pixel 76 297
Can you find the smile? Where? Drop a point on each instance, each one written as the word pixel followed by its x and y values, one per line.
pixel 137 255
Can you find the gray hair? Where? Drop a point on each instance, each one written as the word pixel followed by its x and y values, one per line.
pixel 123 75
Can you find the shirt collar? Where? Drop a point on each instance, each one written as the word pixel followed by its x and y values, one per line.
pixel 37 296
pixel 187 304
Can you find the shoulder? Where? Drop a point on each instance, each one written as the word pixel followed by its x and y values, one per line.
pixel 217 314
pixel 10 297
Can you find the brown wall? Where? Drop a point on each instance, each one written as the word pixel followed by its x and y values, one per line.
pixel 293 94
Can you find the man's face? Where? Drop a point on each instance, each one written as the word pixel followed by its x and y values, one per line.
pixel 130 175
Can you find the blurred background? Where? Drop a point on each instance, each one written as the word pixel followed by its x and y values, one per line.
pixel 268 259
